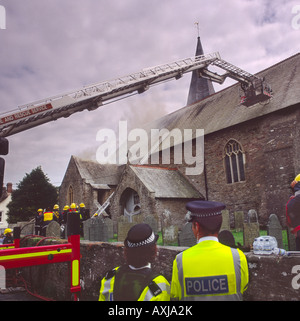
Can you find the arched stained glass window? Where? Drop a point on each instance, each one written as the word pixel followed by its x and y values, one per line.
pixel 234 159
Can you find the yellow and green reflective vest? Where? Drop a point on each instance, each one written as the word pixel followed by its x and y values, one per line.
pixel 157 290
pixel 209 271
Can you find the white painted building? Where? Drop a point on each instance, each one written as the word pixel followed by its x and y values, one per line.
pixel 4 201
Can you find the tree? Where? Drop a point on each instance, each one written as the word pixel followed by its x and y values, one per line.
pixel 33 192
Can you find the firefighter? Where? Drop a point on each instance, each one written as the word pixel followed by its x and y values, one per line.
pixel 8 238
pixel 136 281
pixel 38 222
pixel 56 214
pixel 293 211
pixel 73 208
pixel 47 218
pixel 208 270
pixel 84 212
pixel 63 221
pixel 83 216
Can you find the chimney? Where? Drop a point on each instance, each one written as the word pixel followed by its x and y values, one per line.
pixel 9 188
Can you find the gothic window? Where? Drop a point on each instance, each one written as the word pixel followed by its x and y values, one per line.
pixel 234 159
pixel 70 195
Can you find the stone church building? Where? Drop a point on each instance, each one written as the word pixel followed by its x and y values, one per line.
pixel 88 182
pixel 251 154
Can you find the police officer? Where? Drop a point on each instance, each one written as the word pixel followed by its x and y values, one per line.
pixel 136 281
pixel 209 270
pixel 293 211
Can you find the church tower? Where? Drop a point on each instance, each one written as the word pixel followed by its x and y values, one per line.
pixel 199 87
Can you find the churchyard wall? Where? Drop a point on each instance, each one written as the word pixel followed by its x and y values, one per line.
pixel 270 277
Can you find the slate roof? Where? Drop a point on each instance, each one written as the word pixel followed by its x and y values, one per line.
pixel 98 175
pixel 165 183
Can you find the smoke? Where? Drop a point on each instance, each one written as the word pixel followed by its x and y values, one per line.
pixel 137 111
pixel 143 109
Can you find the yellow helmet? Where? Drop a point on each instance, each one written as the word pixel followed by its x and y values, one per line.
pixel 55 207
pixel 295 181
pixel 8 230
pixel 66 207
pixel 40 210
pixel 297 178
pixel 73 205
pixel 81 205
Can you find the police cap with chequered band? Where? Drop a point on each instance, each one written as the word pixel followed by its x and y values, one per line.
pixel 207 213
pixel 140 235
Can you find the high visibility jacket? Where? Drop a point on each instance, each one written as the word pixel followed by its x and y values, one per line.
pixel 48 216
pixel 209 271
pixel 157 290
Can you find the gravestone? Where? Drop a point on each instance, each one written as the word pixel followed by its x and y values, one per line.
pixel 110 227
pixel 98 229
pixel 27 228
pixel 275 229
pixel 170 235
pixel 152 222
pixel 251 228
pixel 53 229
pixel 225 220
pixel 238 220
pixel 169 231
pixel 124 226
pixel 226 237
pixel 252 216
pixel 186 236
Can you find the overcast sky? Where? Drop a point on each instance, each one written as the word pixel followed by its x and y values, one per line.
pixel 52 46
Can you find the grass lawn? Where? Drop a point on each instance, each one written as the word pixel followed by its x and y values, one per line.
pixel 238 236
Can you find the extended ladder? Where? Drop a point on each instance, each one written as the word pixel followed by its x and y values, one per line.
pixel 93 96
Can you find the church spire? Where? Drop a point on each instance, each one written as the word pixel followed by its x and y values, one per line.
pixel 199 87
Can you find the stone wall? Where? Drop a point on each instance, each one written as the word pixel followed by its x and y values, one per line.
pixel 271 277
pixel 269 144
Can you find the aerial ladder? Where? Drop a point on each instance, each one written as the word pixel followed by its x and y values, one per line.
pixel 254 89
